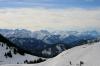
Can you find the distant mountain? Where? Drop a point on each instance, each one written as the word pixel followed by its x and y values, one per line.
pixel 12 54
pixel 50 37
pixel 15 33
pixel 49 44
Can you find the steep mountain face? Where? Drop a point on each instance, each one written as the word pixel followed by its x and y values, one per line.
pixel 11 54
pixel 85 55
pixel 45 44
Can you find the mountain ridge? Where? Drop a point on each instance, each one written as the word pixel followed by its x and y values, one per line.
pixel 48 42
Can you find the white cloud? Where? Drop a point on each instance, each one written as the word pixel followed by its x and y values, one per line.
pixel 40 18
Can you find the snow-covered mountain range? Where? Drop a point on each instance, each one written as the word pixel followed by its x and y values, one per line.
pixel 44 43
pixel 17 49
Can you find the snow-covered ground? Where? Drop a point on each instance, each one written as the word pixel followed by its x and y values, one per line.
pixel 16 58
pixel 85 55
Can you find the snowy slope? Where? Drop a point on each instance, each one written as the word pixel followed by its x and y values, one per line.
pixel 16 58
pixel 86 55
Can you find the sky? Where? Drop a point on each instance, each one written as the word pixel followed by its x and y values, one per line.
pixel 50 14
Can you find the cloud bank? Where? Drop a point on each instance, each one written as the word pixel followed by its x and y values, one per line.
pixel 56 19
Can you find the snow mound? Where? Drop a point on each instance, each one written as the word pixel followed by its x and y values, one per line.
pixel 85 55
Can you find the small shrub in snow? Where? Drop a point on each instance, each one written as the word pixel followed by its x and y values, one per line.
pixel 70 63
pixel 81 63
pixel 8 54
pixel 35 61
